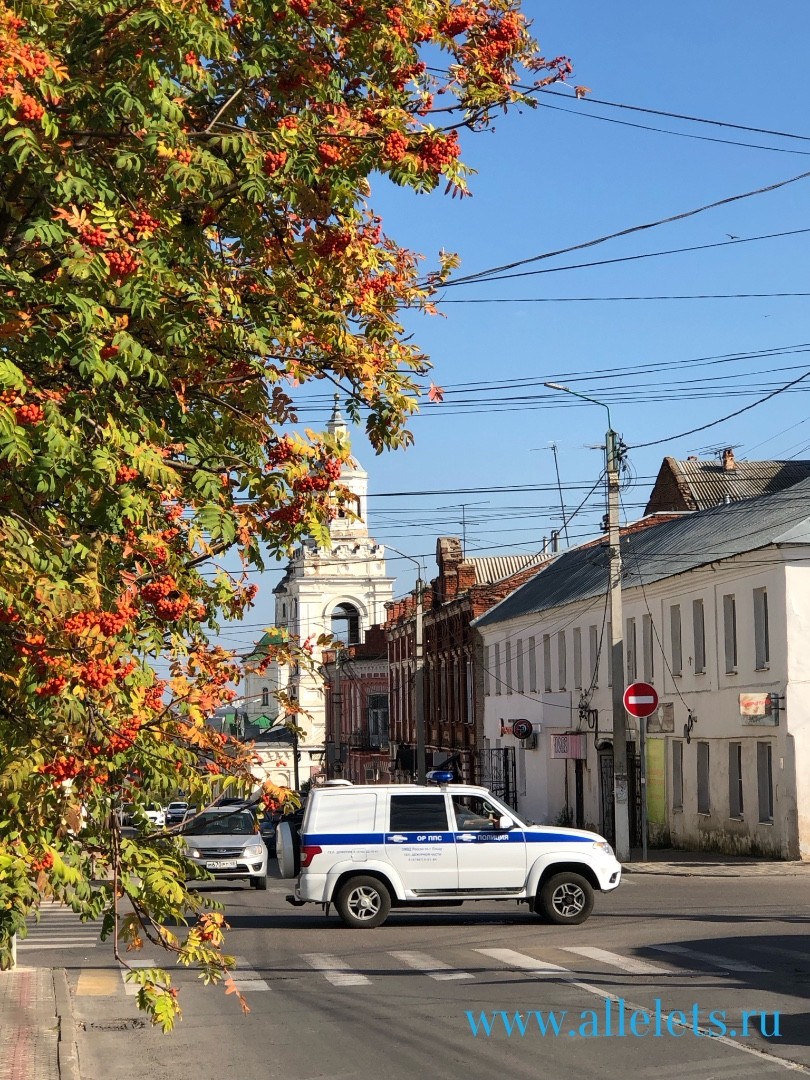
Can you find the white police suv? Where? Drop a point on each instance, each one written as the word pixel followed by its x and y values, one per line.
pixel 367 849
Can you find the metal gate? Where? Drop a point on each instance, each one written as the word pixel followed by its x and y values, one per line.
pixel 498 772
pixel 607 821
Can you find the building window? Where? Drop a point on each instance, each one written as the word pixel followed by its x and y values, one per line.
pixel 677 776
pixel 647 648
pixel 508 676
pixel 735 780
pixel 761 642
pixel 345 624
pixel 630 647
pixel 378 720
pixel 730 632
pixel 547 662
pixel 577 658
pixel 265 696
pixel 487 672
pixel 593 640
pixel 562 660
pixel 675 639
pixel 497 672
pixel 519 665
pixel 532 667
pixel 699 636
pixel 703 800
pixel 765 782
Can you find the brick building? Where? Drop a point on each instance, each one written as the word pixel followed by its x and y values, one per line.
pixel 356 702
pixel 453 660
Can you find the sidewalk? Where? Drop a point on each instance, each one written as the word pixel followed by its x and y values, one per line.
pixel 37 1038
pixel 710 864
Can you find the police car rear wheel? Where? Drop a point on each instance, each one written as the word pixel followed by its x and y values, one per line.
pixel 362 903
pixel 566 899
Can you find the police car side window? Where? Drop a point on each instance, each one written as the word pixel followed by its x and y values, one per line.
pixel 418 813
pixel 474 813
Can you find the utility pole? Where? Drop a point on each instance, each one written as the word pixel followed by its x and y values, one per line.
pixel 621 810
pixel 621 815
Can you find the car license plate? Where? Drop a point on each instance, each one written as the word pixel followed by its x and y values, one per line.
pixel 221 864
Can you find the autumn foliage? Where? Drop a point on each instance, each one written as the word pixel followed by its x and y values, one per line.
pixel 186 237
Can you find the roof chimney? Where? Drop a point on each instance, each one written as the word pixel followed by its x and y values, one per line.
pixel 729 464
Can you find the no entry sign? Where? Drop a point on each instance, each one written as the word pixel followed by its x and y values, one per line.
pixel 640 699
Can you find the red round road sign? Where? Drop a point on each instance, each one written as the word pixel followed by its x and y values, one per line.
pixel 640 699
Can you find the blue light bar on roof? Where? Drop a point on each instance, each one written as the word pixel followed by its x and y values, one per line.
pixel 440 776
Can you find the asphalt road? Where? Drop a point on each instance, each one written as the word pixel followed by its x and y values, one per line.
pixel 405 1001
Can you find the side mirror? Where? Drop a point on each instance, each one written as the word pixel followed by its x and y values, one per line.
pixel 505 823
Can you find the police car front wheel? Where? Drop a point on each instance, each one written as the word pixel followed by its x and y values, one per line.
pixel 566 898
pixel 363 902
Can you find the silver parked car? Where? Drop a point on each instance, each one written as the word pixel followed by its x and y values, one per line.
pixel 225 841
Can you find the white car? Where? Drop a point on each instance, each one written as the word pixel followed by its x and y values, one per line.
pixel 156 814
pixel 226 842
pixel 368 848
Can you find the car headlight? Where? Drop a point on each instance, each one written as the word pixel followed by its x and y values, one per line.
pixel 603 845
pixel 254 850
pixel 194 853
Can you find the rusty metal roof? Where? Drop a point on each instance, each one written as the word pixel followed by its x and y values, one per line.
pixel 703 482
pixel 672 547
pixel 492 568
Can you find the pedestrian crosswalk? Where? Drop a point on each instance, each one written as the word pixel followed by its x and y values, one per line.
pixel 59 928
pixel 550 959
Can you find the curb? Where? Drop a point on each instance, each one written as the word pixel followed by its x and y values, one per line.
pixel 725 871
pixel 67 1050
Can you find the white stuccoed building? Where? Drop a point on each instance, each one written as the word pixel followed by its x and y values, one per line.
pixel 341 590
pixel 717 617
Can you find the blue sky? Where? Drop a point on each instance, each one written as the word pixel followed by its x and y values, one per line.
pixel 557 176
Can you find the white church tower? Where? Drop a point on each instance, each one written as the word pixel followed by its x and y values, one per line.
pixel 341 590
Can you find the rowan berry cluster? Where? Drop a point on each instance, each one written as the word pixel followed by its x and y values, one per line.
pixel 94 237
pixel 30 109
pixel 184 156
pixel 29 415
pixel 9 615
pixel 328 154
pixel 122 263
pixel 436 151
pixel 300 7
pixel 395 146
pixel 144 224
pixel 280 452
pixel 273 161
pixel 126 473
pixel 42 862
pixel 126 734
pixel 108 352
pixel 52 687
pixel 457 21
pixel 63 767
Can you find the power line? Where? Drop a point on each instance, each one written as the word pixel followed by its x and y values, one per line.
pixel 633 229
pixel 605 299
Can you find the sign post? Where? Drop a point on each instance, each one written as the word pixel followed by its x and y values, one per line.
pixel 641 700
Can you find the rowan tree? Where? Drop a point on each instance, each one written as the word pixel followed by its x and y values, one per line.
pixel 187 237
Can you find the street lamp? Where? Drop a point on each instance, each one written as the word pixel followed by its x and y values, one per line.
pixel 621 816
pixel 419 671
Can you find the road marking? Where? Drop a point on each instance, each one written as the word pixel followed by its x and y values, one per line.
pixel 245 977
pixel 526 963
pixel 630 964
pixel 97 984
pixel 25 946
pixel 436 969
pixel 132 988
pixel 709 958
pixel 335 970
